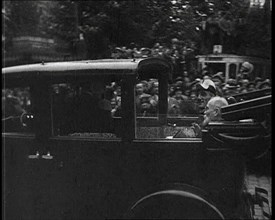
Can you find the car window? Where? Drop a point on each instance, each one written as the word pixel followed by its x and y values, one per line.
pixel 17 110
pixel 86 109
pixel 182 111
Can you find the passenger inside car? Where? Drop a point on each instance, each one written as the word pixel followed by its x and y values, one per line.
pixel 212 113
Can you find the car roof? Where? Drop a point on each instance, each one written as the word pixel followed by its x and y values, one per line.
pixel 150 67
pixel 66 68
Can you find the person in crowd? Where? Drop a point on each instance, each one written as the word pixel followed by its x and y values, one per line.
pixel 154 99
pixel 251 87
pixel 173 107
pixel 140 90
pixel 116 100
pixel 193 84
pixel 193 97
pixel 245 70
pixel 258 81
pixel 244 83
pixel 179 84
pixel 186 81
pixel 146 108
pixel 218 79
pixel 188 107
pixel 179 95
pixel 206 90
pixel 171 90
pixel 243 90
pixel 230 88
pixel 265 84
pixel 145 86
pixel 150 84
pixel 187 92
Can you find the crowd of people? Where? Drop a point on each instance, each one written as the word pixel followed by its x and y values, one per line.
pixel 183 95
pixel 183 98
pixel 182 92
pixel 177 52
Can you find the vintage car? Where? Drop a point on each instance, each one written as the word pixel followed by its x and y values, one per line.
pixel 55 168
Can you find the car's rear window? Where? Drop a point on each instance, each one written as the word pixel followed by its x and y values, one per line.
pixel 86 109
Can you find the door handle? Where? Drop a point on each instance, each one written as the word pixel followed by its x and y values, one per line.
pixel 34 156
pixel 47 156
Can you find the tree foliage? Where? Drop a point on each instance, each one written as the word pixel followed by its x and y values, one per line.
pixel 22 17
pixel 198 24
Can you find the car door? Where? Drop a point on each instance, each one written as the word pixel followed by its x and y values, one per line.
pixel 79 173
pixel 20 154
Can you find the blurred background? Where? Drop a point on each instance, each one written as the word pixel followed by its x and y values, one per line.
pixel 35 31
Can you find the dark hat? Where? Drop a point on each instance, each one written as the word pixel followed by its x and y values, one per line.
pixel 207 85
pixel 231 84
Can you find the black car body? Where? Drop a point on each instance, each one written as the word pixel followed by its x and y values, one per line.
pixel 134 171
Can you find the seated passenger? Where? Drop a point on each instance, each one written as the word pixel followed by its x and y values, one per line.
pixel 212 113
pixel 213 110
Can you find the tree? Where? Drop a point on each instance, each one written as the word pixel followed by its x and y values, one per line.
pixel 23 17
pixel 196 24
